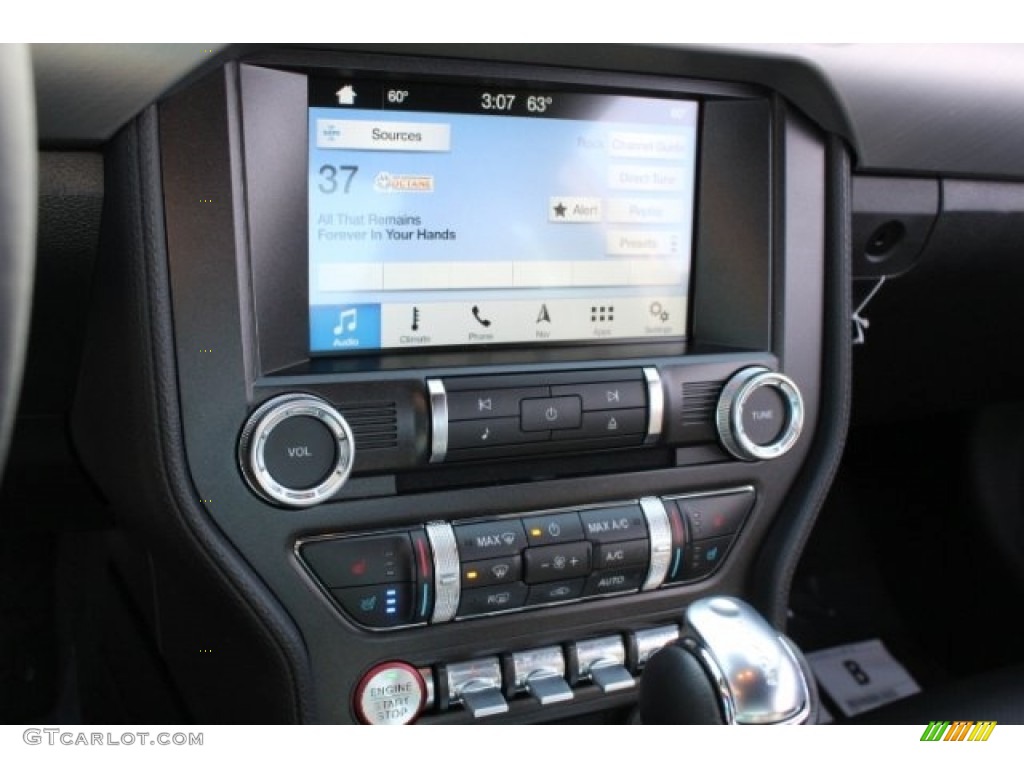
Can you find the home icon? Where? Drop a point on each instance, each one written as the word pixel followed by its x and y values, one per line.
pixel 346 96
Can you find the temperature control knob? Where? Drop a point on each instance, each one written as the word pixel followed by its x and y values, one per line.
pixel 760 414
pixel 296 450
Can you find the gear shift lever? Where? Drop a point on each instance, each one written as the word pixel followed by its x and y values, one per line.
pixel 731 666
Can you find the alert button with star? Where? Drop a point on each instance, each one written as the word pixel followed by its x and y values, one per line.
pixel 575 210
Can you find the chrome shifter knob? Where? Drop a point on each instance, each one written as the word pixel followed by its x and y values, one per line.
pixel 731 656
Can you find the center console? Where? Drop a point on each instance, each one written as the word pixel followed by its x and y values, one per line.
pixel 486 372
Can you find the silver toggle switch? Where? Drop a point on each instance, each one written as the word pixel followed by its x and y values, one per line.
pixel 649 641
pixel 477 686
pixel 603 661
pixel 541 673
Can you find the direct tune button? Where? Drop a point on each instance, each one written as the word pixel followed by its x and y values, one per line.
pixel 764 417
pixel 296 450
pixel 760 414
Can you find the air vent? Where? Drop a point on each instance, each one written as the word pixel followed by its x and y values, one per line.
pixel 699 401
pixel 373 425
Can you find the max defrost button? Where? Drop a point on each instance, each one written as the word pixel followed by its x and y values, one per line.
pixel 479 541
pixel 300 452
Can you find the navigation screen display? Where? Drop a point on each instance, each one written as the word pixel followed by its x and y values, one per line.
pixel 450 215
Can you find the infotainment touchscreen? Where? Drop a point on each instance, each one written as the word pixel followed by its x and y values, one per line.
pixel 447 215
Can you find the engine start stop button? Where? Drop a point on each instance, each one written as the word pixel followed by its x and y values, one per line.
pixel 392 693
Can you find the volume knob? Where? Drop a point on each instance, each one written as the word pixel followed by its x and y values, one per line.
pixel 296 450
pixel 760 414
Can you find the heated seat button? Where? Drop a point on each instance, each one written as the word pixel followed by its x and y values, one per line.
pixel 556 562
pixel 711 516
pixel 359 561
pixel 550 529
pixel 480 541
pixel 483 573
pixel 621 554
pixel 703 557
pixel 551 413
pixel 300 452
pixel 618 580
pixel 500 597
pixel 378 606
pixel 614 523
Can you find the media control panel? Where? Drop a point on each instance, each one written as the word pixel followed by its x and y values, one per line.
pixel 298 449
pixel 471 416
pixel 448 571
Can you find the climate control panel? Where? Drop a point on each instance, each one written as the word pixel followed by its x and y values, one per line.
pixel 447 571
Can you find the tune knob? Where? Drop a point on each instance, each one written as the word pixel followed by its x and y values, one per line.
pixel 760 414
pixel 296 450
